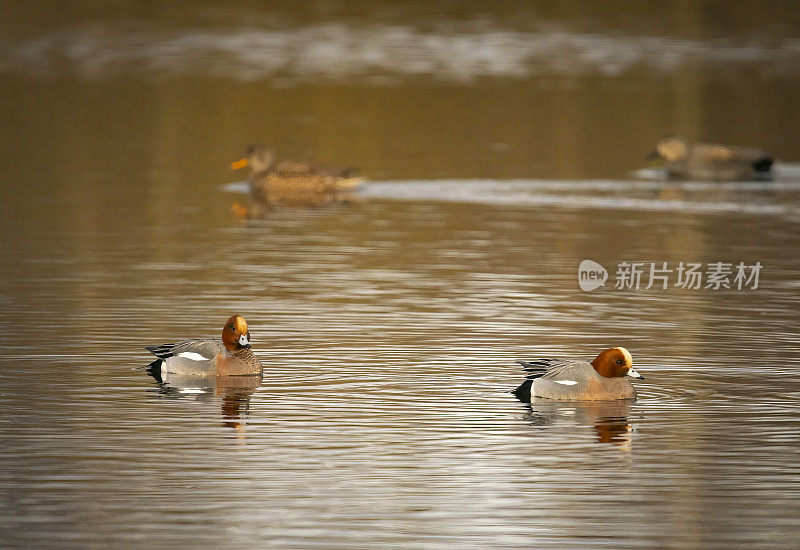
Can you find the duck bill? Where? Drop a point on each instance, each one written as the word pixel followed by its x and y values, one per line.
pixel 244 340
pixel 633 374
pixel 241 163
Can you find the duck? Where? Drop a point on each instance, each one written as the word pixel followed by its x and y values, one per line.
pixel 204 357
pixel 292 183
pixel 606 377
pixel 714 162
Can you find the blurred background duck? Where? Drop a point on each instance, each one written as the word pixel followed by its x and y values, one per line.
pixel 711 161
pixel 291 183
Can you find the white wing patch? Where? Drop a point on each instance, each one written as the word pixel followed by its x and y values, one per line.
pixel 192 355
pixel 566 382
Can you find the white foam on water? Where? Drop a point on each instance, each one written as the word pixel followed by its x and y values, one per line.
pixel 775 198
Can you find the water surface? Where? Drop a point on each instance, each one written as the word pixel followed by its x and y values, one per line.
pixel 388 328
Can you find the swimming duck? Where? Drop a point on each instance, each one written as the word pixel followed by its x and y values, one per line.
pixel 290 183
pixel 229 356
pixel 604 378
pixel 711 161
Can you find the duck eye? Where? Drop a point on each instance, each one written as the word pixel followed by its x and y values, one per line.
pixel 620 362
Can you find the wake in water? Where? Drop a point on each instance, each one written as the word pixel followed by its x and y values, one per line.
pixel 774 198
pixel 781 198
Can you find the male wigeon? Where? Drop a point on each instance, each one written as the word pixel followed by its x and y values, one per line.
pixel 291 183
pixel 715 162
pixel 230 356
pixel 604 378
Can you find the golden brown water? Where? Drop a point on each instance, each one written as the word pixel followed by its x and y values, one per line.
pixel 502 150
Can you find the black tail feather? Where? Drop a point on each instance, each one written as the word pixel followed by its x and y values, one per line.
pixel 154 370
pixel 763 164
pixel 523 392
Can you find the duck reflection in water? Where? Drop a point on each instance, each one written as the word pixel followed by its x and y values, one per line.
pixel 608 418
pixel 234 392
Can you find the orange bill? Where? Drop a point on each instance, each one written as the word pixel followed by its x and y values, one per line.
pixel 241 163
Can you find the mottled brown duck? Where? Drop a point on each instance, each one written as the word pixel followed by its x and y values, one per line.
pixel 713 162
pixel 291 183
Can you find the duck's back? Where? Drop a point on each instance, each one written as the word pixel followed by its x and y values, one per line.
pixel 570 380
pixel 192 357
pixel 723 163
pixel 592 387
pixel 300 184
